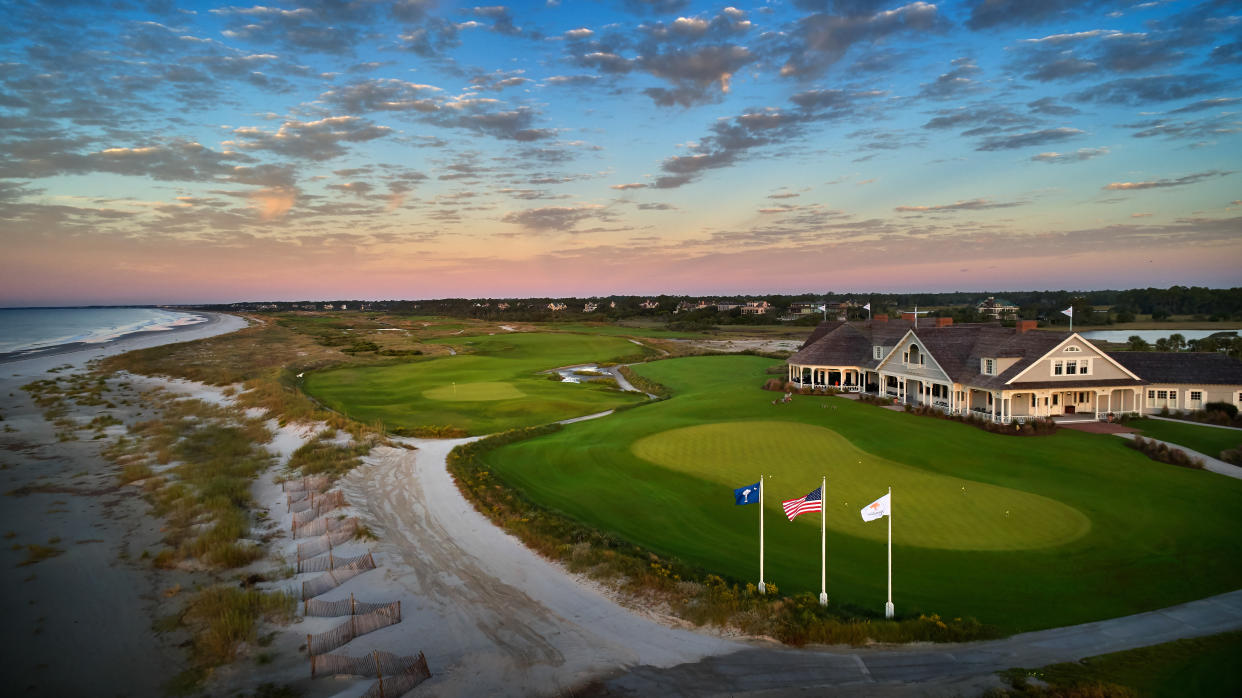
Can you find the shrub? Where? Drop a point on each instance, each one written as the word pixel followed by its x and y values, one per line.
pixel 1225 407
pixel 773 384
pixel 1232 455
pixel 1160 451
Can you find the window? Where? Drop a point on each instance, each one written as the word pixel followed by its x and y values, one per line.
pixel 905 358
pixel 1084 368
pixel 1196 395
pixel 989 367
pixel 1071 350
pixel 1032 399
pixel 1058 368
pixel 1071 367
pixel 1054 398
pixel 1151 395
pixel 1162 394
pixel 878 352
pixel 1084 397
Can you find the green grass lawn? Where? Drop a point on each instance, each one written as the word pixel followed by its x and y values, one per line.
pixel 1204 667
pixel 1095 530
pixel 1204 439
pixel 621 330
pixel 496 386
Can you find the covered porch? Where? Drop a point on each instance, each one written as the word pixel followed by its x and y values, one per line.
pixel 846 379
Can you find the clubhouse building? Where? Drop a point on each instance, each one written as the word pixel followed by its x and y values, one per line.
pixel 1007 374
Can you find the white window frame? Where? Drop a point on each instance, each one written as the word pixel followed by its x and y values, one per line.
pixel 1071 349
pixel 1058 367
pixel 878 352
pixel 989 367
pixel 1071 367
pixel 1196 396
pixel 1084 367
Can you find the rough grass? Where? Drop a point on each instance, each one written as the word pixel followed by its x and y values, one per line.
pixel 1149 522
pixel 1209 441
pixel 1205 667
pixel 222 617
pixel 409 397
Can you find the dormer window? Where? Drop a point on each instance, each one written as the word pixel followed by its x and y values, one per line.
pixel 877 352
pixel 1071 350
pixel 989 367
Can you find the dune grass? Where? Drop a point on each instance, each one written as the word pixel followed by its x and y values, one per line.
pixel 1149 522
pixel 492 384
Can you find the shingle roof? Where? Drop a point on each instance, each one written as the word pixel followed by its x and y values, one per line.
pixel 1181 367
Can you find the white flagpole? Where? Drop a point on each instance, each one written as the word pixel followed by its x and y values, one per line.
pixel 823 543
pixel 888 607
pixel 1071 318
pixel 763 588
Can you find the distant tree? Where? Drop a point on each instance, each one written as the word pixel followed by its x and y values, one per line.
pixel 1177 342
pixel 1235 347
pixel 1125 315
pixel 1159 314
pixel 1162 344
pixel 1137 343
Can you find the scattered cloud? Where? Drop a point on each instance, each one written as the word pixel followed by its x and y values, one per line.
pixel 1080 155
pixel 1165 183
pixel 971 205
pixel 1029 138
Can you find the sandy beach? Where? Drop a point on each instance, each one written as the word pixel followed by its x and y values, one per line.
pixel 80 622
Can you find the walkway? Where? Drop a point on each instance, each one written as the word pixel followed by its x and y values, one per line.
pixel 921 668
pixel 1215 465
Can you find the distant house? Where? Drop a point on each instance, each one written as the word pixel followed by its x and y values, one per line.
pixel 590 307
pixel 328 306
pixel 554 306
pixel 996 308
pixel 502 306
pixel 649 305
pixel 756 308
pixel 726 306
pixel 1008 374
pixel 804 308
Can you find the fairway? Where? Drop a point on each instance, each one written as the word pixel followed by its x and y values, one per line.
pixel 937 511
pixel 1095 529
pixel 492 384
pixel 467 392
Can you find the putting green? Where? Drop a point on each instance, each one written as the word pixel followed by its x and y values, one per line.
pixel 474 392
pixel 930 510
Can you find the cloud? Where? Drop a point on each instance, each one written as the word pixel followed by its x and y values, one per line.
pixel 1206 128
pixel 176 161
pixel 572 80
pixel 1205 104
pixel 956 83
pixel 986 14
pixel 1030 138
pixel 310 140
pixel 499 80
pixel 383 94
pixel 654 7
pixel 1049 106
pixel 971 205
pixel 308 28
pixel 553 218
pixel 820 40
pixel 1080 155
pixel 631 185
pixel 1156 88
pixel 274 202
pixel 1165 183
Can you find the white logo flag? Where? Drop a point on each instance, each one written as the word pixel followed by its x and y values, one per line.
pixel 1068 311
pixel 878 509
pixel 867 307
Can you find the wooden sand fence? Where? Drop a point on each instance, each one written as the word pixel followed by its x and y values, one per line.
pixel 322 505
pixel 311 483
pixel 400 684
pixel 356 626
pixel 319 527
pixel 331 580
pixel 328 541
pixel 374 664
pixel 310 501
pixel 341 607
pixel 325 563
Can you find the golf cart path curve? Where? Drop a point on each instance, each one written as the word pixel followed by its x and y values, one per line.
pixel 496 618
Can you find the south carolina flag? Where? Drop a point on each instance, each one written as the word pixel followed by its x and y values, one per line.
pixel 878 509
pixel 746 495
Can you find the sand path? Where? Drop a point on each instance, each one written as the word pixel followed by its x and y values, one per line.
pixel 493 617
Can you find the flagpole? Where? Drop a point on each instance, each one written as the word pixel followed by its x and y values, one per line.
pixel 763 588
pixel 888 607
pixel 823 543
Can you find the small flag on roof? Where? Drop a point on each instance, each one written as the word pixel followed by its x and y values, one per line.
pixel 812 502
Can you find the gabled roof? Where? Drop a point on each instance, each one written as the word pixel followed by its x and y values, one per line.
pixel 1181 367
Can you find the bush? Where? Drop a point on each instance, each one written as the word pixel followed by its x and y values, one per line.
pixel 1160 451
pixel 1225 407
pixel 1232 455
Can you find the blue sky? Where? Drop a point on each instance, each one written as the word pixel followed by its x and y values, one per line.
pixel 206 152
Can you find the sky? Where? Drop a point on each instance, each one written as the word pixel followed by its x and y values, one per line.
pixel 187 152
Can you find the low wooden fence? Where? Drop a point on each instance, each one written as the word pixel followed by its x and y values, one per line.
pixel 331 580
pixel 340 607
pixel 311 483
pixel 324 563
pixel 356 626
pixel 319 527
pixel 400 684
pixel 328 541
pixel 332 500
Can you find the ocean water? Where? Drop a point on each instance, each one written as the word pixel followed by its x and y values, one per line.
pixel 31 329
pixel 1151 335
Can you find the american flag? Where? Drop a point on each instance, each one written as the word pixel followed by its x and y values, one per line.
pixel 812 502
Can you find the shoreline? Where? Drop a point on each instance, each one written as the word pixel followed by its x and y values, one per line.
pixel 141 339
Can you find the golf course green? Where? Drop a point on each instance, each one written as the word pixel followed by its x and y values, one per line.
pixel 492 384
pixel 1020 532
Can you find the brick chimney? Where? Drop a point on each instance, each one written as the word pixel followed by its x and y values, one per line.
pixel 908 316
pixel 1024 326
pixel 944 321
pixel 882 317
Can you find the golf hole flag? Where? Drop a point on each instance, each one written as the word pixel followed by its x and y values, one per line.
pixel 746 495
pixel 812 502
pixel 879 508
